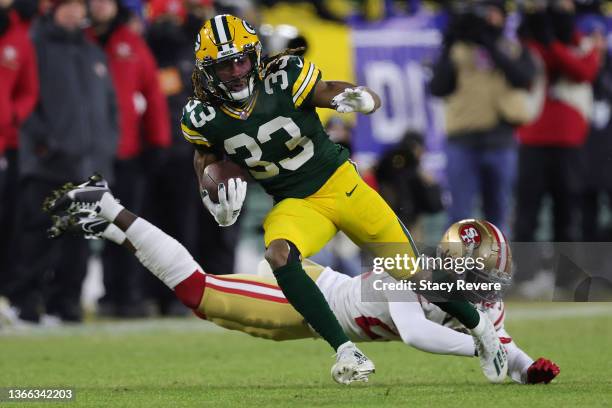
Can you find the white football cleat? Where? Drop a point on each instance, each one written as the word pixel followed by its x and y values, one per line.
pixel 491 352
pixel 351 365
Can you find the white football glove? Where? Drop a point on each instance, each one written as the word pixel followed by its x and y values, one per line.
pixel 230 201
pixel 354 100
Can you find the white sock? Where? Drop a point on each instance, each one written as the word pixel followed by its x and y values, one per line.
pixel 164 256
pixel 344 345
pixel 480 327
pixel 109 207
pixel 114 234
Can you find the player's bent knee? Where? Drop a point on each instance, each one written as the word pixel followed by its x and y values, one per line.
pixel 277 253
pixel 281 252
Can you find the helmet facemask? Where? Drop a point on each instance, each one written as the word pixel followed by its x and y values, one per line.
pixel 476 275
pixel 225 90
pixel 487 276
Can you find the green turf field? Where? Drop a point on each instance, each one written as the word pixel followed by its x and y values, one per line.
pixel 187 362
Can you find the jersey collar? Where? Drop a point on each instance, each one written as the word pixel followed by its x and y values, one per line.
pixel 244 112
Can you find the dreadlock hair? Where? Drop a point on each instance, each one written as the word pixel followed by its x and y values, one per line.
pixel 270 64
pixel 199 92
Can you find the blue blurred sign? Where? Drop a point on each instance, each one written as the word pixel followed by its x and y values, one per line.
pixel 394 58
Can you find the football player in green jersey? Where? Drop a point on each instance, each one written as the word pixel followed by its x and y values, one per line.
pixel 261 115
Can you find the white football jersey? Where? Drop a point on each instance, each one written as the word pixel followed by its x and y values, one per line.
pixel 370 319
pixel 361 320
pixel 364 320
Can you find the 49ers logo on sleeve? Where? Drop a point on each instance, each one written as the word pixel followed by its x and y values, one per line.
pixel 470 236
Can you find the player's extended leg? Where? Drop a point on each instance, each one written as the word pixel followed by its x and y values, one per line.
pixel 292 229
pixel 367 219
pixel 173 264
pixel 247 303
pixel 165 257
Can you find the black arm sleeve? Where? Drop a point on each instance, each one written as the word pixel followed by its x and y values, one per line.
pixel 444 79
pixel 519 72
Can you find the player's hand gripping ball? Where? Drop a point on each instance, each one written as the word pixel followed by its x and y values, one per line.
pixel 223 191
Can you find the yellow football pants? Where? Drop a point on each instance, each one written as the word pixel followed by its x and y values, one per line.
pixel 345 203
pixel 254 305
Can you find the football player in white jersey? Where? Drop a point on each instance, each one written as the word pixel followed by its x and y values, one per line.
pixel 254 304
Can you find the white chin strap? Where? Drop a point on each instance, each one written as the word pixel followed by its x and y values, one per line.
pixel 243 94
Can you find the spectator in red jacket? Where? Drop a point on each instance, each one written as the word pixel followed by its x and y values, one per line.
pixel 18 76
pixel 18 96
pixel 550 147
pixel 144 134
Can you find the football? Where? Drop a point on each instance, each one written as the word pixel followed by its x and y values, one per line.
pixel 220 172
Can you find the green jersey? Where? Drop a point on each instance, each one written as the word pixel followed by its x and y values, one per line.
pixel 278 137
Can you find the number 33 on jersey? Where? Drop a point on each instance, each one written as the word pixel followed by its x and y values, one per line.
pixel 277 137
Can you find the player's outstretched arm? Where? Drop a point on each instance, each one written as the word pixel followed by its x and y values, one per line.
pixel 164 256
pixel 345 97
pixel 522 368
pixel 425 335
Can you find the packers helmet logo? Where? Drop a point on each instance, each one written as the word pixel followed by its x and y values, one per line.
pixel 470 236
pixel 249 28
pixel 198 42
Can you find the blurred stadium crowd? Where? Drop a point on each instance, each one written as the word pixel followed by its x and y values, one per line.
pixel 99 85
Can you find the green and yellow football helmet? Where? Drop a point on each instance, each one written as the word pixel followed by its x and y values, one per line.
pixel 223 38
